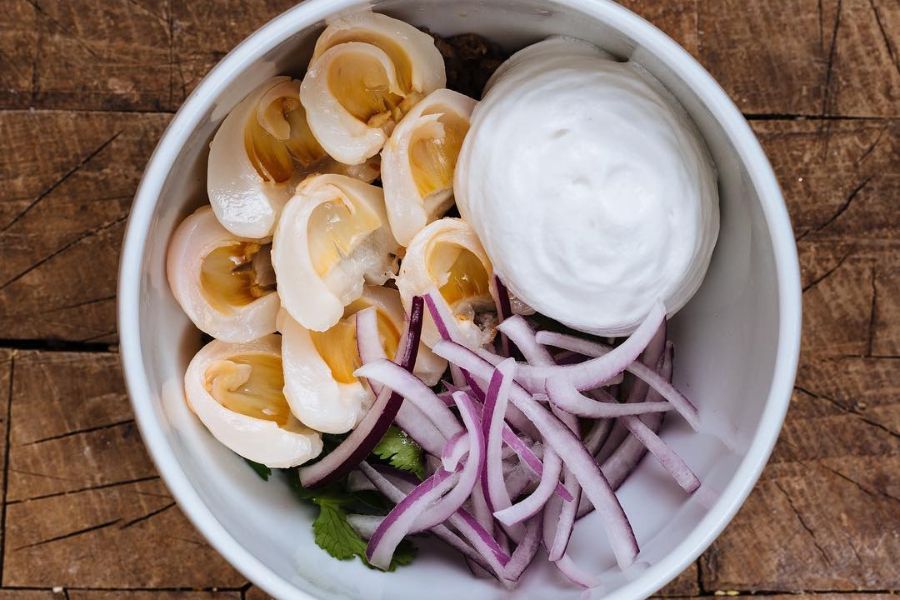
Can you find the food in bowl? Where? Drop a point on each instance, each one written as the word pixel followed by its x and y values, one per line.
pixel 406 390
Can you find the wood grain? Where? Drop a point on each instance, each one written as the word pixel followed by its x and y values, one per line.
pixel 65 191
pixel 821 82
pixel 111 55
pixel 804 57
pixel 81 487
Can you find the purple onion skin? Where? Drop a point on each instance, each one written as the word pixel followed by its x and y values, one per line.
pixel 385 419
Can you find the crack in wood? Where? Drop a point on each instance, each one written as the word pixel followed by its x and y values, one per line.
pixel 849 410
pixel 827 273
pixel 92 488
pixel 68 535
pixel 862 488
pixel 842 208
pixel 8 423
pixel 869 150
pixel 80 238
pixel 872 312
pixel 49 189
pixel 885 36
pixel 51 345
pixel 829 68
pixel 98 336
pixel 809 530
pixel 148 516
pixel 73 36
pixel 80 432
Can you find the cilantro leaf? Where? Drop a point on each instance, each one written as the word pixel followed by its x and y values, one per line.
pixel 333 532
pixel 263 471
pixel 401 452
pixel 335 535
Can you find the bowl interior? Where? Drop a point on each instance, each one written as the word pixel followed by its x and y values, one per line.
pixel 727 338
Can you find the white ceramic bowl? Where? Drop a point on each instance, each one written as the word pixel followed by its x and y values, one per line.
pixel 737 341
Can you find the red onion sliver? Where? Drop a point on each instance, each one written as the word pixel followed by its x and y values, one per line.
pixel 492 426
pixel 504 312
pixel 598 371
pixel 488 554
pixel 638 369
pixel 667 457
pixel 420 428
pixel 364 525
pixel 441 510
pixel 596 435
pixel 565 396
pixel 534 502
pixel 564 442
pixel 518 331
pixel 575 574
pixel 359 444
pixel 568 511
pixel 637 392
pixel 526 550
pixel 368 340
pixel 413 389
pixel 446 326
pixel 454 450
pixel 401 519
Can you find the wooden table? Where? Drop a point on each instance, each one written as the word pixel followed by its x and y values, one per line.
pixel 86 88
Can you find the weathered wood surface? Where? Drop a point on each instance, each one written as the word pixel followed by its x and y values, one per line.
pixel 87 87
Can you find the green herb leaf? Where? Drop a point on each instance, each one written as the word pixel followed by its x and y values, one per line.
pixel 401 452
pixel 262 470
pixel 335 535
pixel 333 532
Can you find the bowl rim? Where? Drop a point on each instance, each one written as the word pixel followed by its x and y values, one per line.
pixel 661 47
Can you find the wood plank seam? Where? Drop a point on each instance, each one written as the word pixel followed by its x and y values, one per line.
pixel 9 399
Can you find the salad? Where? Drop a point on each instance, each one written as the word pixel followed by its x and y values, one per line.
pixel 443 316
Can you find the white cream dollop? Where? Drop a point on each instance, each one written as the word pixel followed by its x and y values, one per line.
pixel 589 187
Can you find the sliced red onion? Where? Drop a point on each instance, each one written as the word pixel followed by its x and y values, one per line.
pixel 596 435
pixel 471 471
pixel 519 480
pixel 637 391
pixel 534 502
pixel 575 574
pixel 667 457
pixel 638 369
pixel 482 513
pixel 564 443
pixel 527 455
pixel 598 371
pixel 454 450
pixel 364 525
pixel 518 331
pixel 492 426
pixel 624 460
pixel 359 444
pixel 568 510
pixel 504 306
pixel 504 312
pixel 522 336
pixel 526 550
pixel 565 564
pixel 456 375
pixel 489 555
pixel 446 326
pixel 368 340
pixel 565 396
pixel 400 521
pixel 420 428
pixel 413 389
pixel 442 316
